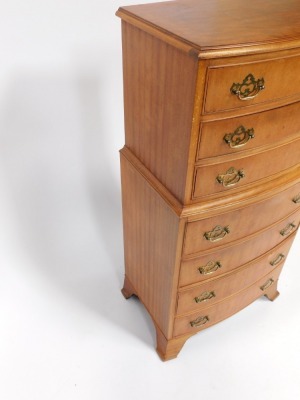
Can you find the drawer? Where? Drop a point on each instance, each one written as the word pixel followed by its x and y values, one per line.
pixel 223 260
pixel 246 84
pixel 247 132
pixel 227 227
pixel 214 290
pixel 208 316
pixel 217 178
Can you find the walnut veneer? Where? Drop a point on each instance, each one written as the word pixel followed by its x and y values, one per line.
pixel 211 163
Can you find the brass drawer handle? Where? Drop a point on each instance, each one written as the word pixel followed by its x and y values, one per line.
pixel 249 88
pixel 218 233
pixel 267 284
pixel 288 229
pixel 199 321
pixel 231 177
pixel 278 259
pixel 296 199
pixel 204 297
pixel 239 137
pixel 210 267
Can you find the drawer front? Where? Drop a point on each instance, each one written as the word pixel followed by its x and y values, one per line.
pixel 243 85
pixel 214 263
pixel 225 228
pixel 215 290
pixel 247 132
pixel 197 321
pixel 220 177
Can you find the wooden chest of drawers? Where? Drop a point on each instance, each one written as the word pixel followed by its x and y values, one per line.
pixel 211 163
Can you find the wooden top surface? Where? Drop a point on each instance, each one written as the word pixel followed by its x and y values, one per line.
pixel 222 24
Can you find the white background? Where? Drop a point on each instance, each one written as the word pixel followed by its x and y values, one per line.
pixel 66 332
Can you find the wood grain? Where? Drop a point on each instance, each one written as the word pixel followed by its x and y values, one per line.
pixel 242 222
pixel 216 24
pixel 270 127
pixel 227 307
pixel 180 59
pixel 232 256
pixel 152 246
pixel 233 282
pixel 212 206
pixel 197 245
pixel 255 167
pixel 157 77
pixel 281 81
